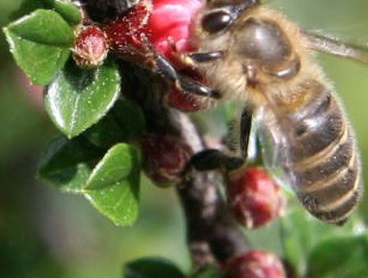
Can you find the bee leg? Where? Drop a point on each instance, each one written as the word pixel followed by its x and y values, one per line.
pixel 203 57
pixel 188 85
pixel 213 159
pixel 245 128
pixel 191 59
pixel 162 66
pixel 182 83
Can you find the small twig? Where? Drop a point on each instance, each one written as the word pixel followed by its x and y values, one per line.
pixel 211 230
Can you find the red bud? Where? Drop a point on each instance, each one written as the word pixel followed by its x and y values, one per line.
pixel 165 157
pixel 129 32
pixel 90 46
pixel 254 197
pixel 255 264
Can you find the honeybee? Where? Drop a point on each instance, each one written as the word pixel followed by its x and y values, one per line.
pixel 253 54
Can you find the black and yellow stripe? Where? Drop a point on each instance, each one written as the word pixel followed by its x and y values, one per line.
pixel 322 163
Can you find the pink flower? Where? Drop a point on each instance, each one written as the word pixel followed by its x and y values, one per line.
pixel 170 25
pixel 164 26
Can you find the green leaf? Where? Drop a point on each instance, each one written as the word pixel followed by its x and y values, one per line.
pixel 343 257
pixel 68 11
pixel 67 164
pixel 44 27
pixel 208 272
pixel 106 132
pixel 40 44
pixel 118 163
pixel 79 98
pixel 152 267
pixel 300 233
pixel 125 121
pixel 130 118
pixel 296 237
pixel 120 202
pixel 29 6
pixel 113 187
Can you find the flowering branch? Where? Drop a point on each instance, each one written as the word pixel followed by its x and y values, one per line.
pixel 111 111
pixel 211 230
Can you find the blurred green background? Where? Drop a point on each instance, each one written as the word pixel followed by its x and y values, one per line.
pixel 44 233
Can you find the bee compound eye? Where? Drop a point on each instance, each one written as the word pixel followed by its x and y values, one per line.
pixel 216 21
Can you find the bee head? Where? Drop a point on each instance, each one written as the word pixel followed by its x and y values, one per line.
pixel 220 14
pixel 221 3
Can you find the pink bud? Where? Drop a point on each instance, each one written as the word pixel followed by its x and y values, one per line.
pixel 255 264
pixel 254 197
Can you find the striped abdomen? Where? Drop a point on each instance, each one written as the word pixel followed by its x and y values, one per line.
pixel 320 157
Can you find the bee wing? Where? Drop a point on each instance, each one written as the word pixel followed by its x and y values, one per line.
pixel 336 47
pixel 273 148
pixel 313 152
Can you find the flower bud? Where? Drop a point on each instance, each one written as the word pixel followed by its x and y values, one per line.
pixel 90 46
pixel 129 32
pixel 255 264
pixel 165 157
pixel 162 26
pixel 254 197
